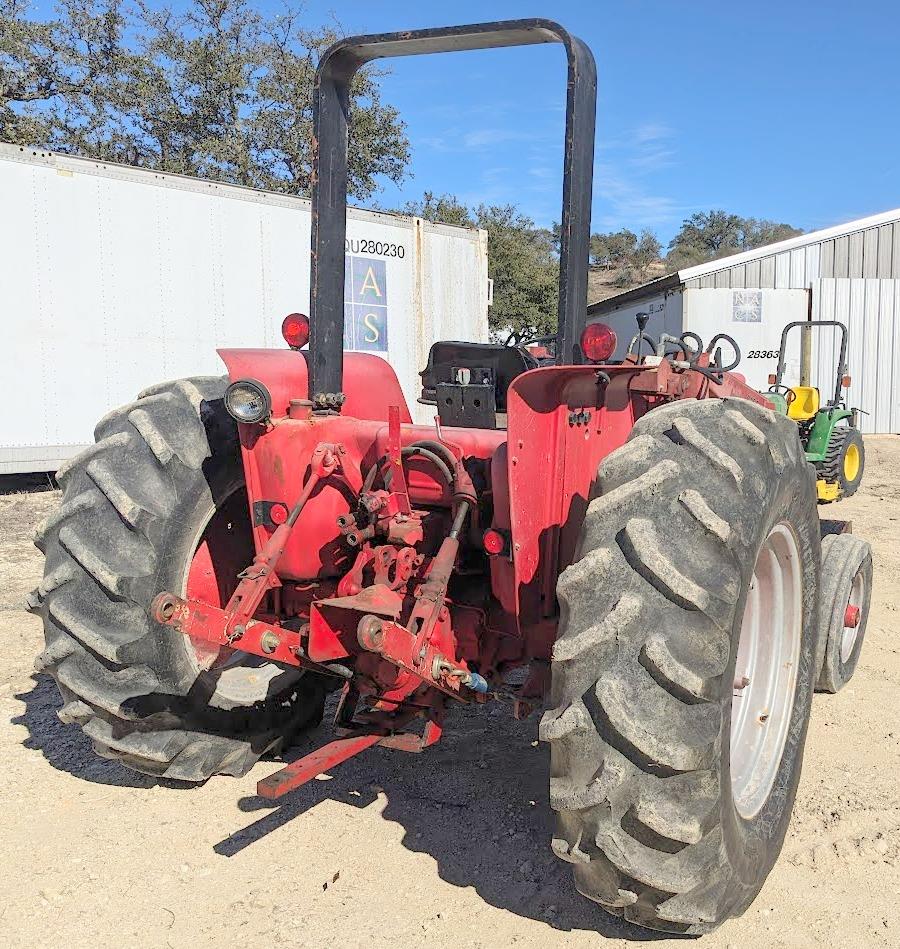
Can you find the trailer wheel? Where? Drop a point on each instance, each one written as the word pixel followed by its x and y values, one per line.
pixel 845 460
pixel 158 503
pixel 844 608
pixel 684 670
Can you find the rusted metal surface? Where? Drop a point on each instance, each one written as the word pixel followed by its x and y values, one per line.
pixel 379 561
pixel 205 623
pixel 336 752
pixel 380 565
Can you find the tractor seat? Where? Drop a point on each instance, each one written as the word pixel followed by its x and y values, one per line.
pixel 805 403
pixel 468 381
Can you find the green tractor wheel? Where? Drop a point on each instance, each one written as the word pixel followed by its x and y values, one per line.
pixel 845 460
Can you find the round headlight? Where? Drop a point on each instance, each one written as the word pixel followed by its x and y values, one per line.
pixel 248 401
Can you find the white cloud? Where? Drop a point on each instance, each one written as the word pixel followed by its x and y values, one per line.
pixel 625 193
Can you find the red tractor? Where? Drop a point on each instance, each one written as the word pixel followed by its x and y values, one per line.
pixel 633 548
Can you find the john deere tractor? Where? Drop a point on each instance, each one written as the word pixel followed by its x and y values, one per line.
pixel 828 431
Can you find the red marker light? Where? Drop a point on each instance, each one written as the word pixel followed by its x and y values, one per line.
pixel 494 542
pixel 295 330
pixel 598 342
pixel 278 513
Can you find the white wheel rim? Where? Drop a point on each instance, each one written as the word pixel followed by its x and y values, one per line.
pixel 766 670
pixel 850 633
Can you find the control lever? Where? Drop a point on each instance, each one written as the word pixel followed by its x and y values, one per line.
pixel 642 319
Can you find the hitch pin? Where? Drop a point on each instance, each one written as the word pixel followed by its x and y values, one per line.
pixel 472 680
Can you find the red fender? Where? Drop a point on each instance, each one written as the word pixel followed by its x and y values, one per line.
pixel 370 382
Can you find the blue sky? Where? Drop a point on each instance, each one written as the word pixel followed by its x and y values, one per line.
pixel 782 109
pixel 786 110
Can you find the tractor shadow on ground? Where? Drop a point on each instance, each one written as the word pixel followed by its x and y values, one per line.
pixel 66 747
pixel 476 803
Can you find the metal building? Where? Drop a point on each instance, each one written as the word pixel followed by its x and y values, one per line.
pixel 850 273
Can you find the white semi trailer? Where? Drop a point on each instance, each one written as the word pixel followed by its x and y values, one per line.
pixel 112 278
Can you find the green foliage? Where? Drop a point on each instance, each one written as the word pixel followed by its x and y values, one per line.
pixel 624 250
pixel 625 278
pixel 710 235
pixel 647 251
pixel 215 89
pixel 624 255
pixel 522 262
pixel 443 209
pixel 613 250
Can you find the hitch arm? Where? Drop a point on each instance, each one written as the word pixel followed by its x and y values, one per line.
pixel 235 621
pixel 260 576
pixel 322 759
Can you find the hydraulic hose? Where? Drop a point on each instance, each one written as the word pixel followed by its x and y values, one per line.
pixel 438 449
pixel 411 451
pixel 439 455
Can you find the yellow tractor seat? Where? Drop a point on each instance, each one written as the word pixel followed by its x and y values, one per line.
pixel 805 403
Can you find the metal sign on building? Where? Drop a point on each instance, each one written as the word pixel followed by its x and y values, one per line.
pixel 366 305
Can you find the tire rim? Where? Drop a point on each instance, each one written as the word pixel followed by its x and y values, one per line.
pixel 850 634
pixel 851 463
pixel 766 669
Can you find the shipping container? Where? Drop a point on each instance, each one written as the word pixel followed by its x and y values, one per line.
pixel 115 278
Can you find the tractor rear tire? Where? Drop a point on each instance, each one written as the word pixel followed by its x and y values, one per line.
pixel 136 507
pixel 845 460
pixel 703 499
pixel 846 581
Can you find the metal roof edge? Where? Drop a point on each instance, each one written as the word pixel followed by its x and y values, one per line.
pixel 678 277
pixel 166 179
pixel 792 243
pixel 666 282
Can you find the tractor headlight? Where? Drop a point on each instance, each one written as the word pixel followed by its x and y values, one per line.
pixel 248 401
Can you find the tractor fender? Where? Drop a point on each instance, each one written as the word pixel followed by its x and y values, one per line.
pixel 370 383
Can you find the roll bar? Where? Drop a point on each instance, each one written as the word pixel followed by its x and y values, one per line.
pixel 842 358
pixel 331 110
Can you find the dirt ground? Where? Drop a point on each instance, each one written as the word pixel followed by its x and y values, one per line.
pixel 447 848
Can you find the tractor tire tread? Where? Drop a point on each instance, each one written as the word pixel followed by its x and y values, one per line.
pixel 102 548
pixel 831 470
pixel 645 637
pixel 843 557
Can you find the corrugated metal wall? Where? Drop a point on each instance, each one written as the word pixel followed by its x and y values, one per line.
pixel 871 310
pixel 872 253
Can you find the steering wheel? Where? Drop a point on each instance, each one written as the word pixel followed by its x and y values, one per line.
pixel 527 339
pixel 789 394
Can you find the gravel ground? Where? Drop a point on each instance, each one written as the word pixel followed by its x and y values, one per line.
pixel 448 848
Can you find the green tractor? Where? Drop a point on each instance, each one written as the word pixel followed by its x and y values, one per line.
pixel 828 431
